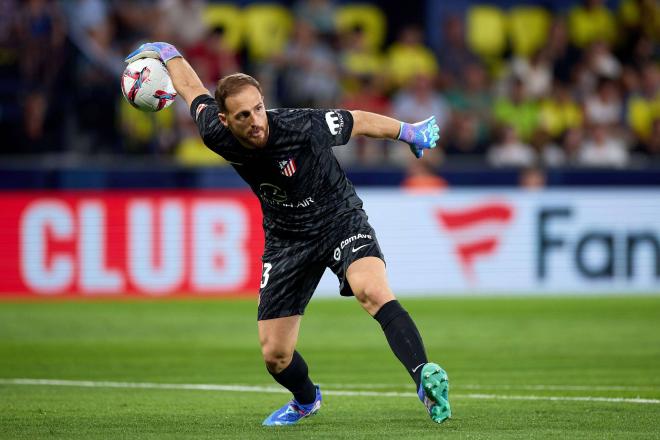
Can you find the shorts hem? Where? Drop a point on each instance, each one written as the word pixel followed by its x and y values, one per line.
pixel 280 314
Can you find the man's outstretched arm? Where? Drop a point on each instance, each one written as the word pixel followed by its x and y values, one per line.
pixel 184 79
pixel 420 136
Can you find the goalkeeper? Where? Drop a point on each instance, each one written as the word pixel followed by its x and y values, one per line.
pixel 312 219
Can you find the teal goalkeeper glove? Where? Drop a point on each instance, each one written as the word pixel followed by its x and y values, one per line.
pixel 160 50
pixel 420 136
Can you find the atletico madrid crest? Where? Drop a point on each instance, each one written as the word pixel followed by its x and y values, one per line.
pixel 287 167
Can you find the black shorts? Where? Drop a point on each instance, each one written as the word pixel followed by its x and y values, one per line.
pixel 290 274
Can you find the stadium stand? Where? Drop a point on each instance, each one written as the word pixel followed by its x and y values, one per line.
pixel 564 78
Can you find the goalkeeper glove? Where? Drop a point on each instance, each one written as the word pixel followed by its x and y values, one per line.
pixel 160 50
pixel 420 136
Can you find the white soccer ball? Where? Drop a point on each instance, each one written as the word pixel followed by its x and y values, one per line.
pixel 147 86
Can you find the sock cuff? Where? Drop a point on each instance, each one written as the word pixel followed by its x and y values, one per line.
pixel 297 362
pixel 388 312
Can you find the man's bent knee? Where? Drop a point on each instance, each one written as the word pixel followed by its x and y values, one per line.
pixel 276 359
pixel 373 297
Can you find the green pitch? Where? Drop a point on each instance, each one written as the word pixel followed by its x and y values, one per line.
pixel 525 368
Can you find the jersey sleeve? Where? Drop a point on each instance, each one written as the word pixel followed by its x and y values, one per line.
pixel 331 127
pixel 204 111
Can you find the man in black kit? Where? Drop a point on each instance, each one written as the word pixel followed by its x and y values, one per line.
pixel 312 219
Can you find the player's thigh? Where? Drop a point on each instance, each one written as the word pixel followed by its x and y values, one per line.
pixel 279 334
pixel 289 278
pixel 368 280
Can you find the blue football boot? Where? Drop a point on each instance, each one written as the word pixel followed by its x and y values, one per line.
pixel 293 411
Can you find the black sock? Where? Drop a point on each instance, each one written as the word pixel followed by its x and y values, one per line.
pixel 403 337
pixel 295 378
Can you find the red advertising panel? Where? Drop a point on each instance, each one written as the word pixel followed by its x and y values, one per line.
pixel 138 243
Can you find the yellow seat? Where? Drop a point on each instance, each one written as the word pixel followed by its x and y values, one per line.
pixel 557 117
pixel 369 18
pixel 267 30
pixel 141 127
pixel 192 151
pixel 406 62
pixel 528 27
pixel 363 63
pixel 228 17
pixel 586 26
pixel 645 15
pixel 641 114
pixel 486 30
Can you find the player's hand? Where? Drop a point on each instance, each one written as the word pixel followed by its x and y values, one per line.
pixel 159 50
pixel 420 136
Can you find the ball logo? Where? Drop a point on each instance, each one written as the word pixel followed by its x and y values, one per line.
pixel 335 122
pixel 476 231
pixel 200 108
pixel 337 254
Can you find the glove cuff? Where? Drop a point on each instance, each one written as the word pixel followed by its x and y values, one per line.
pixel 406 133
pixel 167 52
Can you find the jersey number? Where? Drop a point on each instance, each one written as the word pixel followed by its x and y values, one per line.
pixel 266 275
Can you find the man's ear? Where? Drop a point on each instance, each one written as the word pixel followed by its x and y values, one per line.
pixel 223 118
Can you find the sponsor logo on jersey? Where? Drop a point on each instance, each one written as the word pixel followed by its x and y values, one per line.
pixel 276 196
pixel 200 108
pixel 287 167
pixel 476 231
pixel 349 240
pixel 335 121
pixel 272 193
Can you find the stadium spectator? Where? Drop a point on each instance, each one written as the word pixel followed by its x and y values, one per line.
pixel 511 151
pixel 417 99
pixel 320 14
pixel 310 72
pixel 602 62
pixel 602 149
pixel 40 28
pixel 560 52
pixel 650 146
pixel 454 55
pixel 605 106
pixel 135 20
pixel 409 57
pixel 421 179
pixel 518 111
pixel 560 111
pixel 212 57
pixel 532 179
pixel 182 21
pixel 548 153
pixel 644 107
pixel 357 60
pixel 535 73
pixel 368 96
pixel 462 138
pixel 472 100
pixel 93 33
pixel 571 143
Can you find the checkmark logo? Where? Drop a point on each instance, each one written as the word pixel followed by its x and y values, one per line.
pixel 355 249
pixel 417 367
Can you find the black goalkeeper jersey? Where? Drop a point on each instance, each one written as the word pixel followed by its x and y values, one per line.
pixel 301 187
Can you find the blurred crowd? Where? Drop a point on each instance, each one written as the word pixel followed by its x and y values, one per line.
pixel 526 87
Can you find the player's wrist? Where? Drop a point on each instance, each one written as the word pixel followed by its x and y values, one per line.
pixel 406 132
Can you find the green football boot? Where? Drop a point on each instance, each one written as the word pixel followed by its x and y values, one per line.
pixel 434 392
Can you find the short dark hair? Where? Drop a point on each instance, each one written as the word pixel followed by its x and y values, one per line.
pixel 231 85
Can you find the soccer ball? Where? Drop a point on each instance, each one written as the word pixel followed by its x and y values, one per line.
pixel 147 86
